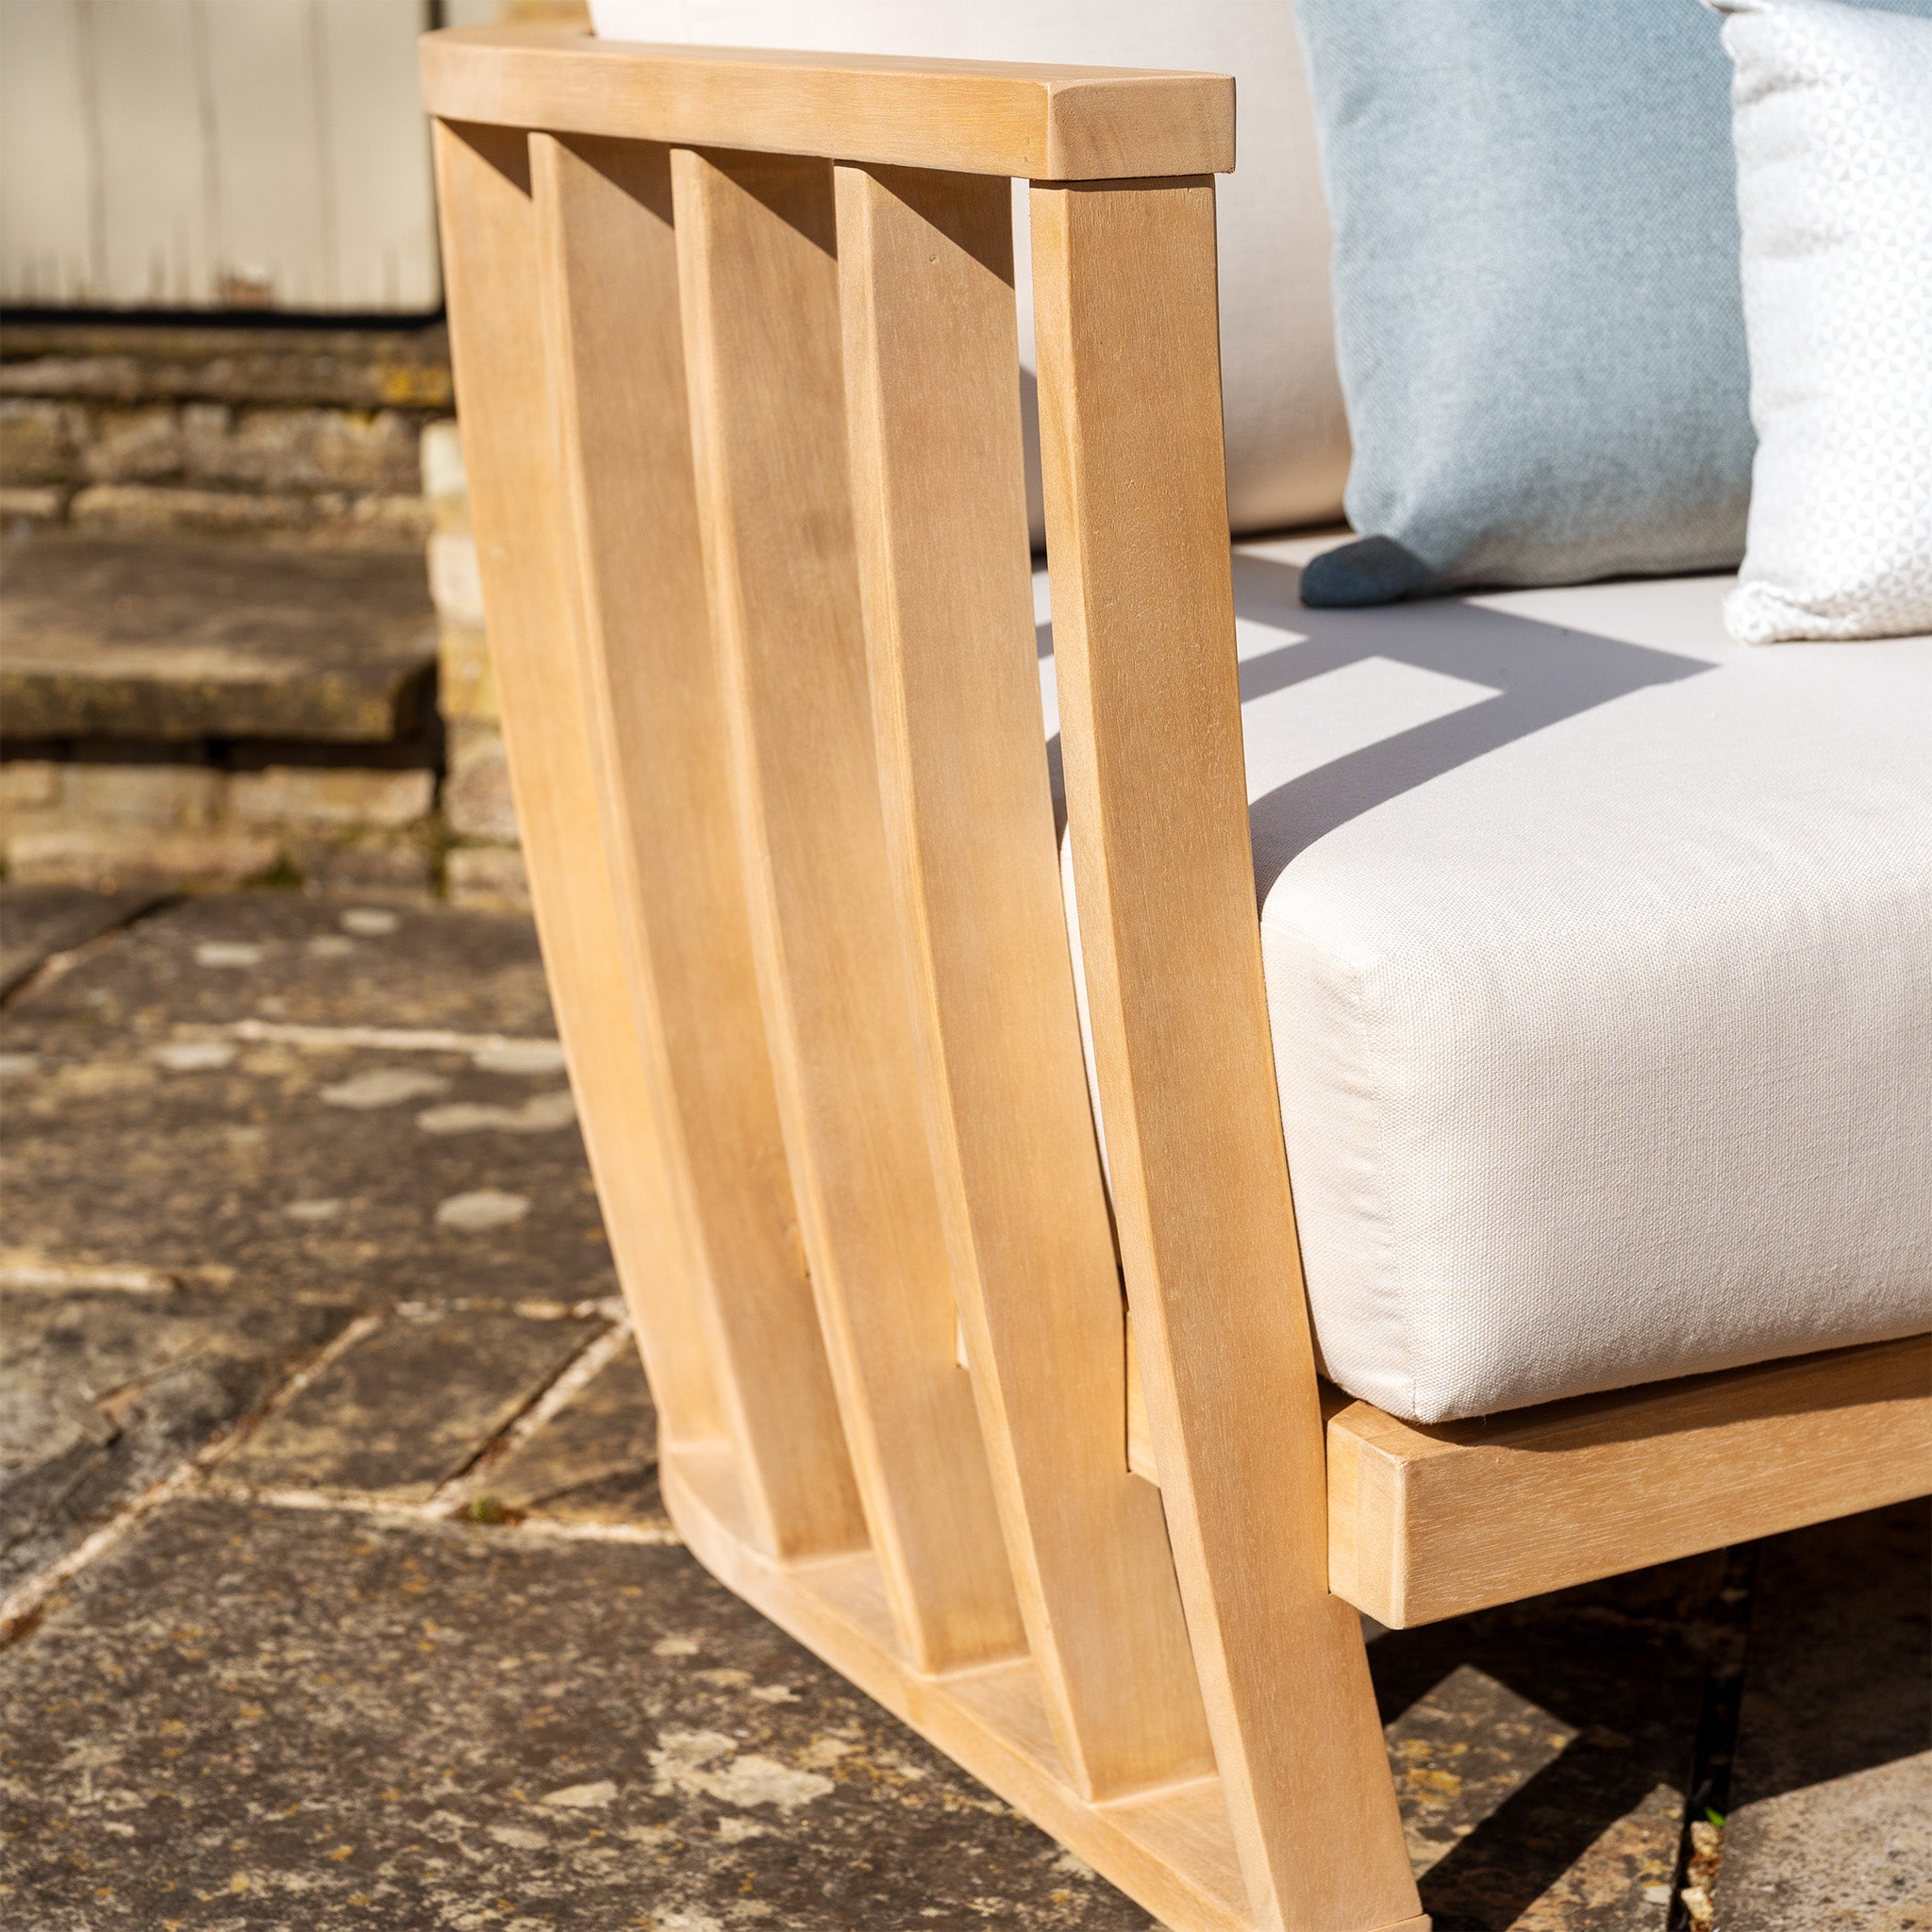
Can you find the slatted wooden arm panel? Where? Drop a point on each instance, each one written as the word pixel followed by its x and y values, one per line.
pixel 735 344
pixel 736 341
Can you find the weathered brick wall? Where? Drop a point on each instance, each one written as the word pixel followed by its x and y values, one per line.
pixel 305 434
pixel 191 823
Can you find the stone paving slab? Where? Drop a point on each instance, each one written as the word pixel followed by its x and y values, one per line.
pixel 252 1719
pixel 408 1406
pixel 165 1133
pixel 1831 1823
pixel 37 922
pixel 430 1724
pixel 103 1394
pixel 182 640
pixel 365 1175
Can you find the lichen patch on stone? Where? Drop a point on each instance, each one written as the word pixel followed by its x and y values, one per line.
pixel 235 953
pixel 384 1087
pixel 520 1056
pixel 322 1209
pixel 195 1056
pixel 481 1209
pixel 587 1797
pixel 541 1113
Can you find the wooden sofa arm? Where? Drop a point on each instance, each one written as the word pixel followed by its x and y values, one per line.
pixel 976 117
pixel 736 351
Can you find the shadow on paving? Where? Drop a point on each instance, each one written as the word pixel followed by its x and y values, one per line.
pixel 1541 1751
pixel 1831 1822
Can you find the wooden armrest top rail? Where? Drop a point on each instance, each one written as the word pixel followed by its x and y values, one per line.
pixel 976 117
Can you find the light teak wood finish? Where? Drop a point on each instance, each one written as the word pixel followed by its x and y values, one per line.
pixel 1149 723
pixel 1430 1522
pixel 930 354
pixel 627 671
pixel 978 117
pixel 1427 1523
pixel 776 740
pixel 760 277
pixel 489 245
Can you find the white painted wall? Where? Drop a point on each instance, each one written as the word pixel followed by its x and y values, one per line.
pixel 215 153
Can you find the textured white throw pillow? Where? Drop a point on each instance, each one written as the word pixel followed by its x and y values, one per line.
pixel 1833 123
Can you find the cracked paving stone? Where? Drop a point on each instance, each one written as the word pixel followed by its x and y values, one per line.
pixel 212 1158
pixel 37 922
pixel 1831 1828
pixel 595 1460
pixel 245 1718
pixel 409 1405
pixel 1540 1751
pixel 102 1394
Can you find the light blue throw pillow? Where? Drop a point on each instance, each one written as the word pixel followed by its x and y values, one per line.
pixel 1537 309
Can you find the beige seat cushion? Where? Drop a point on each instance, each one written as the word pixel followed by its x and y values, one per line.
pixel 1599 962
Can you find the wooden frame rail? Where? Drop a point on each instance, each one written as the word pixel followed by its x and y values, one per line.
pixel 976 117
pixel 735 341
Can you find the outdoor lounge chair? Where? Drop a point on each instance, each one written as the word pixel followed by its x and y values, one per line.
pixel 775 726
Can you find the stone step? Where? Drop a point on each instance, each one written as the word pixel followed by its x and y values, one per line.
pixel 206 713
pixel 178 643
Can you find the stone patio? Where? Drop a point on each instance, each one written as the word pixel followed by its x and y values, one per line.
pixel 337 1592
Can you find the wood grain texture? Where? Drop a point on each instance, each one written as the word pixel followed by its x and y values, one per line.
pixel 490 251
pixel 759 280
pixel 654 748
pixel 927 262
pixel 1429 1523
pixel 1143 632
pixel 977 117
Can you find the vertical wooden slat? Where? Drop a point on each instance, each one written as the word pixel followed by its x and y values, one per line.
pixel 759 284
pixel 602 259
pixel 937 477
pixel 1143 633
pixel 492 261
pixel 509 441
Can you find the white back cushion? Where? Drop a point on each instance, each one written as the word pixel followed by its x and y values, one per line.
pixel 1287 437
